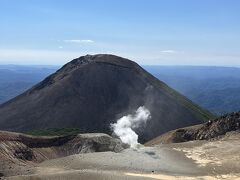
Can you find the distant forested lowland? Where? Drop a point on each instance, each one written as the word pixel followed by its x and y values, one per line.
pixel 16 79
pixel 215 88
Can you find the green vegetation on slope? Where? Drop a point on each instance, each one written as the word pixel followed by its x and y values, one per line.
pixel 55 132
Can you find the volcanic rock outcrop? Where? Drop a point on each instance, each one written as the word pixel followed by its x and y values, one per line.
pixel 210 130
pixel 93 91
pixel 19 150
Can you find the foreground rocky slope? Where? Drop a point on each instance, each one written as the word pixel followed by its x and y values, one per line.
pixel 93 91
pixel 212 129
pixel 205 160
pixel 52 158
pixel 18 151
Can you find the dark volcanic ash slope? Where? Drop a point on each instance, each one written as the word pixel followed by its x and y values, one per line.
pixel 91 92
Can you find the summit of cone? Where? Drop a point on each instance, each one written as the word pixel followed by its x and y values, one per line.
pixel 93 91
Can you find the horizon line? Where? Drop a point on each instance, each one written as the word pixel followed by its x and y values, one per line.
pixel 162 65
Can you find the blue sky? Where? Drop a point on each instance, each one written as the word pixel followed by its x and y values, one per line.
pixel 163 32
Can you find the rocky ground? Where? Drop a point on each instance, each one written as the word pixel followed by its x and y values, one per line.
pixel 206 151
pixel 216 159
pixel 213 129
pixel 20 154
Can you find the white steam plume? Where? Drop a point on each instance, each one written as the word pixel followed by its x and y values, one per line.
pixel 124 126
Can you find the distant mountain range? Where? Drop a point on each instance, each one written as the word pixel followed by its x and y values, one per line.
pixel 94 91
pixel 215 88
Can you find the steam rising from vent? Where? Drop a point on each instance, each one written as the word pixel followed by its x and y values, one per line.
pixel 124 126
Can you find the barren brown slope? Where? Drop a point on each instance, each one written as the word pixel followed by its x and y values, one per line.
pixel 93 91
pixel 212 160
pixel 20 152
pixel 215 128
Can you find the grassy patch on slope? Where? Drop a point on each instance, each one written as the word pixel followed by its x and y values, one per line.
pixel 55 132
